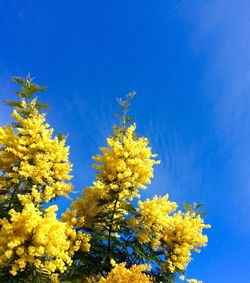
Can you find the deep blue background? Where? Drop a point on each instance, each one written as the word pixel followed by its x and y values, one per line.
pixel 189 63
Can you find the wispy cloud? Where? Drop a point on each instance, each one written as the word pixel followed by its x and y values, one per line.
pixel 178 174
pixel 221 34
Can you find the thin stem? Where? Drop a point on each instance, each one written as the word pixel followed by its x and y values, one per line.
pixel 111 225
pixel 12 197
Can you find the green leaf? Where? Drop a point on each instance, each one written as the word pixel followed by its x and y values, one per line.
pixel 187 207
pixel 12 103
pixel 102 201
pixel 40 106
pixel 28 88
pixel 61 136
pixel 129 119
pixel 18 80
pixel 199 205
pixel 201 213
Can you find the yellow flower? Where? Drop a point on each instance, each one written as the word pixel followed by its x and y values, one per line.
pixel 194 281
pixel 127 161
pixel 183 234
pixel 28 153
pixel 120 273
pixel 153 217
pixel 124 166
pixel 38 238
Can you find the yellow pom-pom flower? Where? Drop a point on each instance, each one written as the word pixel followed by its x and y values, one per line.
pixel 29 155
pixel 120 273
pixel 127 162
pixel 32 237
pixel 183 234
pixel 152 220
pixel 125 166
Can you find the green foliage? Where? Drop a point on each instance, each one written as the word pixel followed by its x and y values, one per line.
pixel 109 222
pixel 194 208
pixel 122 116
pixel 28 91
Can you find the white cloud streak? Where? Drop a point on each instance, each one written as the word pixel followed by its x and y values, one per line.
pixel 221 34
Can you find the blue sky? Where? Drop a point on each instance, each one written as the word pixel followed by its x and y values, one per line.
pixel 189 63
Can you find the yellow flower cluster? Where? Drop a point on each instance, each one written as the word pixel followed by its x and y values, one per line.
pixel 126 165
pixel 38 238
pixel 182 278
pixel 177 234
pixel 154 215
pixel 194 281
pixel 86 208
pixel 34 169
pixel 182 235
pixel 31 154
pixel 121 274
